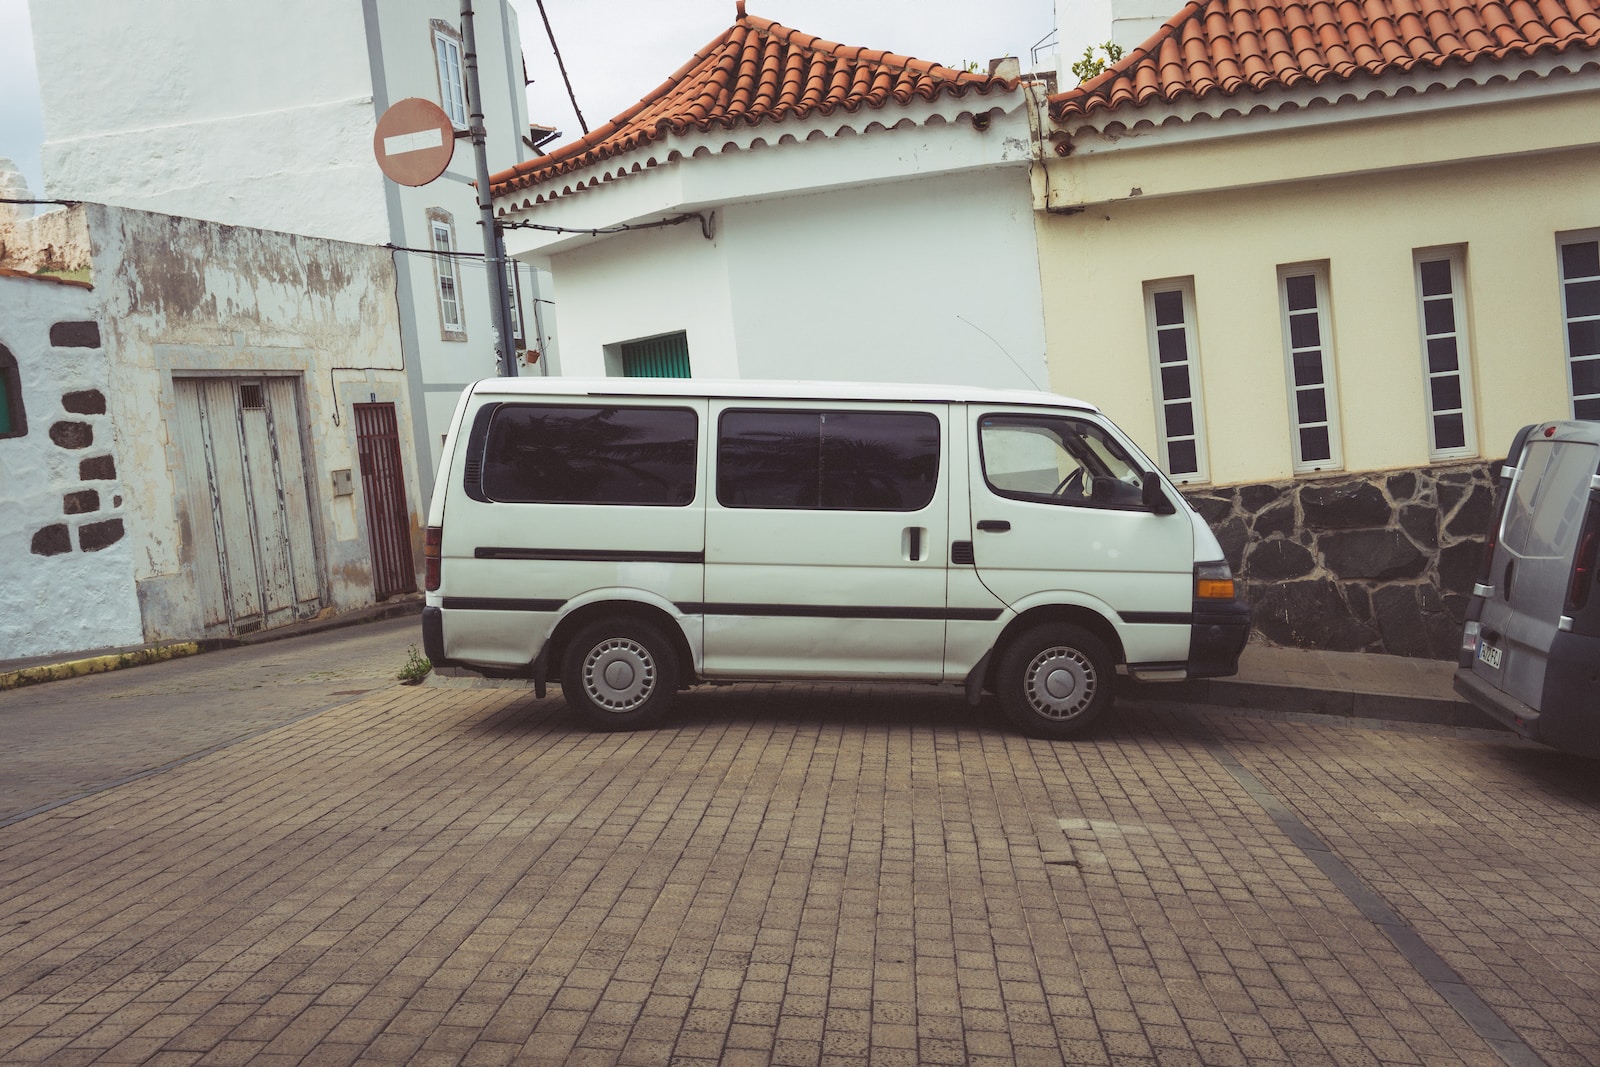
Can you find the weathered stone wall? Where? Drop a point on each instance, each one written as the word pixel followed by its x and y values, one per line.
pixel 69 580
pixel 1379 562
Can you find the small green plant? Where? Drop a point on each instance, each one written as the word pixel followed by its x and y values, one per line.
pixel 1091 65
pixel 416 668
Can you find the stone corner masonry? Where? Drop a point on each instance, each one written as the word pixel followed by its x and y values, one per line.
pixel 1377 562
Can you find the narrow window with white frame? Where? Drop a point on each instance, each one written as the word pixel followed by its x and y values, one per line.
pixel 514 301
pixel 1446 362
pixel 1308 350
pixel 447 56
pixel 1175 369
pixel 1580 307
pixel 445 274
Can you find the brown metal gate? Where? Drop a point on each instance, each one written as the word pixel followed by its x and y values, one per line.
pixel 383 485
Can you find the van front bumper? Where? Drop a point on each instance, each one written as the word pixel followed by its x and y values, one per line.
pixel 1216 637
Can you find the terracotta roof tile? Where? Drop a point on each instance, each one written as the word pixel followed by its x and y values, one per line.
pixel 756 71
pixel 1236 46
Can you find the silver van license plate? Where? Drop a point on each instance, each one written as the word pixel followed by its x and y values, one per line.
pixel 1489 654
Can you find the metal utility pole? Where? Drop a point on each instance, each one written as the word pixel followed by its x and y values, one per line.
pixel 494 251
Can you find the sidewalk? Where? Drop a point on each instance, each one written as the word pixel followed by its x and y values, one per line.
pixel 1347 684
pixel 15 673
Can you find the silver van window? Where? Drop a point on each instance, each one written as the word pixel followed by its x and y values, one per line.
pixel 1548 499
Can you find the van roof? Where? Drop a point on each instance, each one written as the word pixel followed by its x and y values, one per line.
pixel 766 389
pixel 1566 430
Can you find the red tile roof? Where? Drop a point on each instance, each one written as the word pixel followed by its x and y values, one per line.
pixel 1238 46
pixel 756 71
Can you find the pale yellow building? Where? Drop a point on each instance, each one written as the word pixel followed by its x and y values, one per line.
pixel 1329 259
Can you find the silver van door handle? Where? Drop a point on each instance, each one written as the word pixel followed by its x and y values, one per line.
pixel 993 525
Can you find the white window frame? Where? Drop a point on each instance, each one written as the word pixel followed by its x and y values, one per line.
pixel 1590 401
pixel 447 279
pixel 1190 365
pixel 452 89
pixel 514 302
pixel 1325 350
pixel 1456 298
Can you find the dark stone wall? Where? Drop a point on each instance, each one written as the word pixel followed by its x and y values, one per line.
pixel 74 435
pixel 1380 562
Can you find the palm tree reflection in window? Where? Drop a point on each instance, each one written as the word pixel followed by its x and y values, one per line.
pixel 591 455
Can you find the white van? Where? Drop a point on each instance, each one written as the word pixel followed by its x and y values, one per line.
pixel 1530 651
pixel 630 538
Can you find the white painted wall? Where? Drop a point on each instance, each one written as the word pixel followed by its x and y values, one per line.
pixel 74 600
pixel 932 279
pixel 890 282
pixel 252 114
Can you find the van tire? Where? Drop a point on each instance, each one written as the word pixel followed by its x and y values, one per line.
pixel 619 674
pixel 1055 680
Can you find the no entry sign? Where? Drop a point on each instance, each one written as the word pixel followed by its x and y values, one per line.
pixel 414 141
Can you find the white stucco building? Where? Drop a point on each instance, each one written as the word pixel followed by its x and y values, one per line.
pixel 263 115
pixel 788 207
pixel 204 430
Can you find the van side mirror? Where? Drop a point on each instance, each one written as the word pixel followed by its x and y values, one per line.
pixel 1153 497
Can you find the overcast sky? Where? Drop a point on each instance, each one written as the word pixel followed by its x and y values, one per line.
pixel 616 51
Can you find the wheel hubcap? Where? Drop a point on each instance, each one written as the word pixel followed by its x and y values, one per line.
pixel 1060 683
pixel 619 674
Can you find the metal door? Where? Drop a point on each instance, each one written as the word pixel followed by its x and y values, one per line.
pixel 825 541
pixel 1057 518
pixel 383 485
pixel 247 517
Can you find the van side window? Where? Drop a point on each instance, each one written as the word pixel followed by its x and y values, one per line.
pixel 827 460
pixel 1053 460
pixel 560 454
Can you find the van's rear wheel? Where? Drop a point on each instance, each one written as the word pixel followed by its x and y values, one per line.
pixel 1055 680
pixel 620 674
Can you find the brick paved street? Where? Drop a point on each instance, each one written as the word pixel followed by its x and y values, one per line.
pixel 801 875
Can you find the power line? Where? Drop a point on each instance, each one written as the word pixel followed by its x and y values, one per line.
pixel 584 126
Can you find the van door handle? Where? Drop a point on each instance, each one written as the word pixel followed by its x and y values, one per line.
pixel 993 525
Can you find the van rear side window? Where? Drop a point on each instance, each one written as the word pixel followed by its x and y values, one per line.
pixel 828 460
pixel 1549 499
pixel 569 454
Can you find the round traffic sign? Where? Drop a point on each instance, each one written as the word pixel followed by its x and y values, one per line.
pixel 414 141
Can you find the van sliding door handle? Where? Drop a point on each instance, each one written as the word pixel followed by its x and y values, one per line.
pixel 993 525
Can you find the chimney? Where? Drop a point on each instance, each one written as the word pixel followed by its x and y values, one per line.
pixel 1008 67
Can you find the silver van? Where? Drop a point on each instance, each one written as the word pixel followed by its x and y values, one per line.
pixel 629 538
pixel 1530 650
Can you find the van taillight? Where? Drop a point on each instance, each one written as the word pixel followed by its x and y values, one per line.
pixel 1583 561
pixel 432 539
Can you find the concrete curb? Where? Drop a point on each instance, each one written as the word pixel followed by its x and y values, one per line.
pixel 116 659
pixel 55 672
pixel 1340 703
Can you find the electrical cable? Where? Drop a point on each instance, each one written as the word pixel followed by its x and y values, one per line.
pixel 584 126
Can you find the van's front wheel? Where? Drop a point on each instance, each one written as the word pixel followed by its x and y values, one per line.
pixel 1055 680
pixel 620 674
